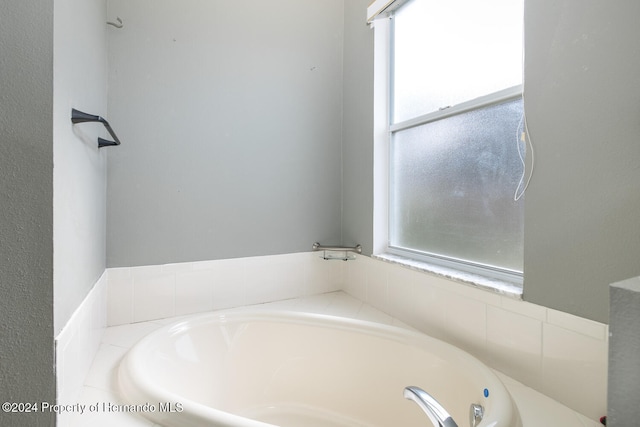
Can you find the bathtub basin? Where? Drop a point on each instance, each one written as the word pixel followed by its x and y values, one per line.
pixel 259 369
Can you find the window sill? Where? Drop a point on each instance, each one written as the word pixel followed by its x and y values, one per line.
pixel 481 282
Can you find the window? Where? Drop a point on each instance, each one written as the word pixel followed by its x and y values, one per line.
pixel 455 120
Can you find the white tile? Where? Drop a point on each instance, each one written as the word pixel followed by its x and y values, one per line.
pixel 127 335
pixel 229 288
pixel 85 343
pixel 428 312
pixel 103 371
pixel 338 275
pixel 574 370
pixel 314 274
pixel 273 278
pixel 440 282
pixel 524 308
pixel 284 305
pixel 146 271
pixel 119 273
pixel 356 278
pixel 538 410
pixel 315 303
pixel 473 292
pixel 119 296
pixel 194 291
pixel 402 284
pixel 465 323
pixel 73 371
pixel 372 314
pixel 228 294
pixel 577 324
pixel 169 320
pixel 344 305
pixel 78 342
pixel 322 276
pixel 377 290
pixel 514 344
pixel 397 323
pixel 99 310
pixel 153 294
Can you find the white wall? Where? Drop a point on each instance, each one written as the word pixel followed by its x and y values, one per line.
pixel 79 174
pixel 230 113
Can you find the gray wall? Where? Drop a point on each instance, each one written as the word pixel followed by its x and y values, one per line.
pixel 357 136
pixel 26 200
pixel 582 92
pixel 230 115
pixel 240 118
pixel 623 388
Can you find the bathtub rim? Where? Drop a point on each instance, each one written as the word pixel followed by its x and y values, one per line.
pixel 136 387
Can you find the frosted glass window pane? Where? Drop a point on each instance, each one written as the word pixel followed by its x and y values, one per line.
pixel 450 51
pixel 452 187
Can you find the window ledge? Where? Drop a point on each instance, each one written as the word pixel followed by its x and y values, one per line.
pixel 498 286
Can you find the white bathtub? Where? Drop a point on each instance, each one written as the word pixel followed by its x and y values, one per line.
pixel 258 369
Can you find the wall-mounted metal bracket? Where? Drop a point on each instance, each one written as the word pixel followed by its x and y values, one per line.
pixel 119 24
pixel 81 117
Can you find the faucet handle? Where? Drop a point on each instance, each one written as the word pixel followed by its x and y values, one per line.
pixel 438 416
pixel 476 412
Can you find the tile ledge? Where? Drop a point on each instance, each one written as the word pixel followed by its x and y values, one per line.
pixel 497 286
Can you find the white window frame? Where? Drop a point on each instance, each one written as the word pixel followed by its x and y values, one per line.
pixel 503 281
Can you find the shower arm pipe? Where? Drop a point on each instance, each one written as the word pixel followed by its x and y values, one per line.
pixel 81 117
pixel 318 247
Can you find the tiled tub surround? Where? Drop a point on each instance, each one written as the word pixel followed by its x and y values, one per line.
pixel 138 294
pixel 100 386
pixel 560 355
pixel 78 343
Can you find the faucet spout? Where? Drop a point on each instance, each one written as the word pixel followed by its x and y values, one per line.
pixel 436 413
